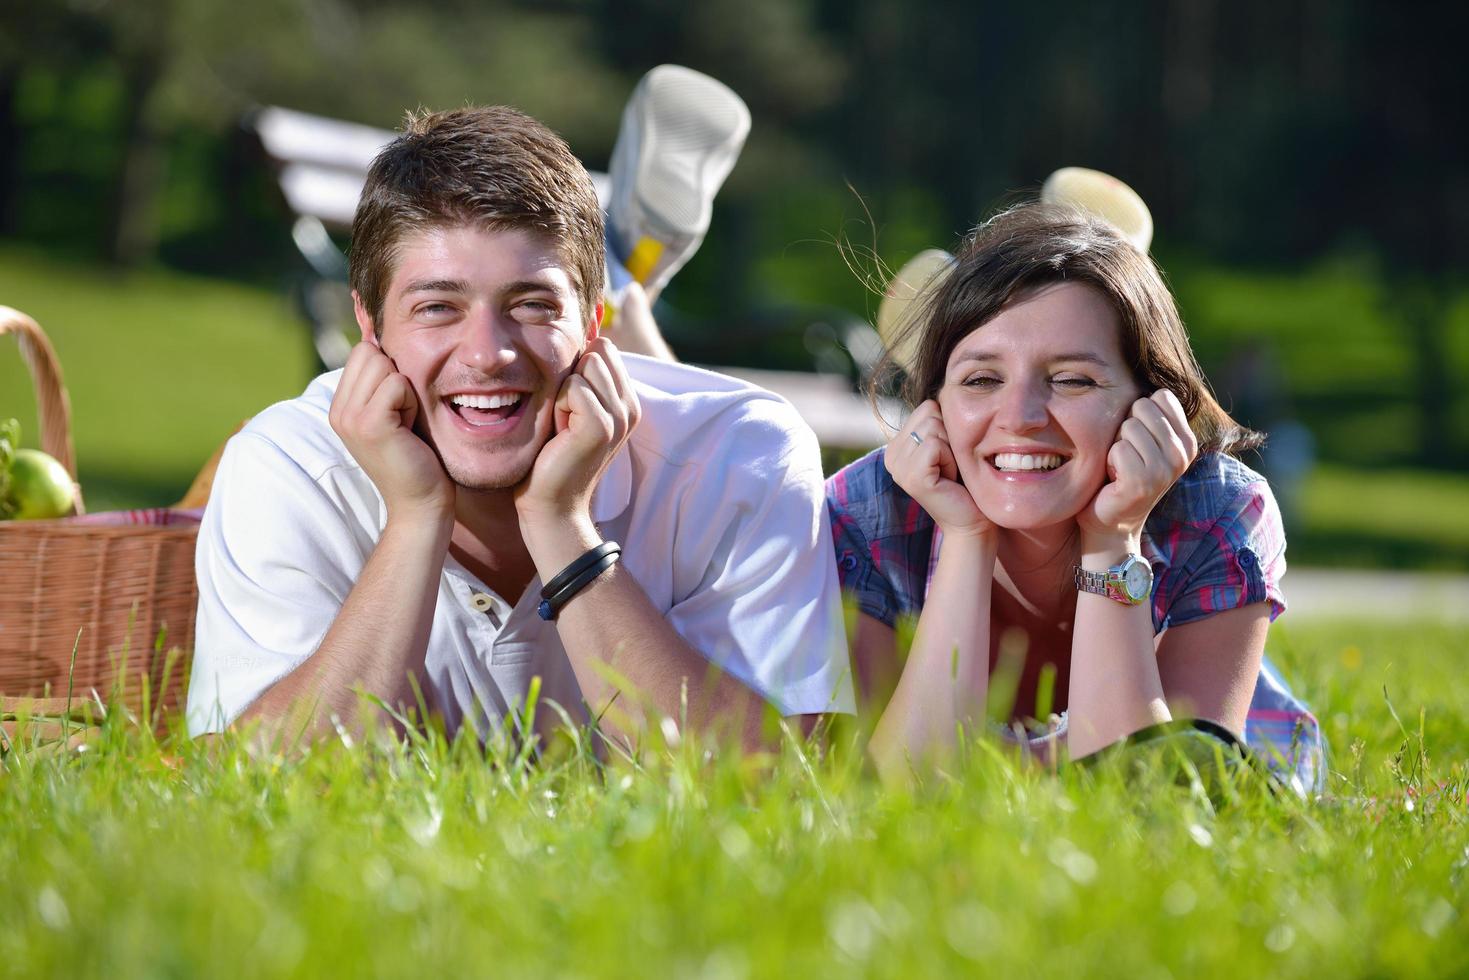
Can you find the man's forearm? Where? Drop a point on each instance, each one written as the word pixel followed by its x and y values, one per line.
pixel 377 639
pixel 613 624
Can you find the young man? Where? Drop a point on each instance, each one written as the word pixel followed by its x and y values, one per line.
pixel 395 523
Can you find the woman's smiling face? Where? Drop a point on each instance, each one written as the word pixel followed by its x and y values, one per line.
pixel 1031 402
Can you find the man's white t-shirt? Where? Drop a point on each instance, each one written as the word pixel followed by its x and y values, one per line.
pixel 717 501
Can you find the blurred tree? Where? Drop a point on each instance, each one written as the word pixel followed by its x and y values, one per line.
pixel 1265 133
pixel 174 67
pixel 9 145
pixel 1410 191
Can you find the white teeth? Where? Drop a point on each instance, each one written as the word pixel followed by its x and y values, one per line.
pixel 1027 461
pixel 485 401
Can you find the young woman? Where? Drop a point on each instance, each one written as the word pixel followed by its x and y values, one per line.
pixel 1063 499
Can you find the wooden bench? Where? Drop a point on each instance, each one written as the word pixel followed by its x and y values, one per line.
pixel 320 165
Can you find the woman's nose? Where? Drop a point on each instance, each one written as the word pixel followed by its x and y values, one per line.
pixel 1023 406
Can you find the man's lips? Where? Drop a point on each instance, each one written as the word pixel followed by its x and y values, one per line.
pixel 485 399
pixel 487 413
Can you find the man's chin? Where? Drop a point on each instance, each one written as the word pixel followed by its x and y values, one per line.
pixel 479 471
pixel 488 482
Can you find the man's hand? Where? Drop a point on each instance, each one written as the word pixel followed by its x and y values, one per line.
pixel 596 409
pixel 925 467
pixel 373 412
pixel 1153 449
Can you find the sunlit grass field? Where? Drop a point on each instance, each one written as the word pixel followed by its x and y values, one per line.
pixel 140 858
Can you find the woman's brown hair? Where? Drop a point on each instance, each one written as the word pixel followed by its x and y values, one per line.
pixel 1028 247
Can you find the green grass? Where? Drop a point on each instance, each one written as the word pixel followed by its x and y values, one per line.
pixel 1384 518
pixel 160 367
pixel 1341 349
pixel 427 859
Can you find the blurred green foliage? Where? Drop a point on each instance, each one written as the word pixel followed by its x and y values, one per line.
pixel 1313 148
pixel 1384 519
pixel 160 367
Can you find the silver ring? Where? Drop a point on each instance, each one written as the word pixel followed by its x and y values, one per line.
pixel 917 439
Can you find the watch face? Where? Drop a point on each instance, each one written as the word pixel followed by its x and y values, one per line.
pixel 1139 579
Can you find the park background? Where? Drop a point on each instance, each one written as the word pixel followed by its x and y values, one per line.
pixel 1306 165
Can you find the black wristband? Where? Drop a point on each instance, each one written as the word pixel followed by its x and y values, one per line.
pixel 583 563
pixel 551 605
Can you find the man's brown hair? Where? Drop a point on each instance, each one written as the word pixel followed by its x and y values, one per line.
pixel 491 167
pixel 1031 246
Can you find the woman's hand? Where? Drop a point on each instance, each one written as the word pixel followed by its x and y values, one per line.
pixel 1153 449
pixel 921 462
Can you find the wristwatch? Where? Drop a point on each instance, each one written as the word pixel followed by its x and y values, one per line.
pixel 1129 583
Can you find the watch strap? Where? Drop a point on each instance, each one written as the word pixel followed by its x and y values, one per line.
pixel 1111 583
pixel 1093 582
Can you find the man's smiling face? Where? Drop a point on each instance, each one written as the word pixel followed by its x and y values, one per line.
pixel 485 325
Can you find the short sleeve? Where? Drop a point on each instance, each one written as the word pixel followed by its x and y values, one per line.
pixel 856 569
pixel 275 561
pixel 882 539
pixel 1234 560
pixel 765 604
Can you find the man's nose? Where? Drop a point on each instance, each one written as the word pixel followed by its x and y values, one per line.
pixel 486 341
pixel 1024 406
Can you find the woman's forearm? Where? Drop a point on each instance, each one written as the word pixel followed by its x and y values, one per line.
pixel 946 677
pixel 1115 685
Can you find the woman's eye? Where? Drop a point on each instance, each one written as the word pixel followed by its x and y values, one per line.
pixel 1073 381
pixel 981 381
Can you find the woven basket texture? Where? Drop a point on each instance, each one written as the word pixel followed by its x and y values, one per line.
pixel 123 597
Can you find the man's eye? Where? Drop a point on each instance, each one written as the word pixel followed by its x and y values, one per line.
pixel 537 309
pixel 435 309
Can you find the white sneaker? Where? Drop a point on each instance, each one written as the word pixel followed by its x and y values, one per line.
pixel 681 134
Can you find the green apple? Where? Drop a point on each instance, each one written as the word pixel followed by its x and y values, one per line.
pixel 40 487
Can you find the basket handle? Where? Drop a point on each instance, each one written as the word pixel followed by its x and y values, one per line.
pixel 53 407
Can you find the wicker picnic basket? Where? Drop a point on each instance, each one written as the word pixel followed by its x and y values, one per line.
pixel 122 594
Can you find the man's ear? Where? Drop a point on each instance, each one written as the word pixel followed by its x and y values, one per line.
pixel 364 320
pixel 594 325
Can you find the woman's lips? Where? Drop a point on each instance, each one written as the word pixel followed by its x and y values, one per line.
pixel 1024 467
pixel 1010 463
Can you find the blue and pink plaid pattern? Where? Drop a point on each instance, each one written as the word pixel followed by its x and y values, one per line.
pixel 1215 543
